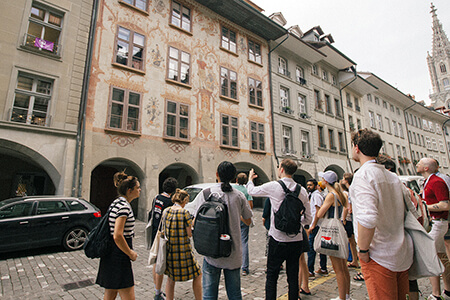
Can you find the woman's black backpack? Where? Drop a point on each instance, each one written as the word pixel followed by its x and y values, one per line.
pixel 211 233
pixel 99 242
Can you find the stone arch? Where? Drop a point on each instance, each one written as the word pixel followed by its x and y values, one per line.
pixel 301 176
pixel 102 190
pixel 27 171
pixel 337 169
pixel 183 173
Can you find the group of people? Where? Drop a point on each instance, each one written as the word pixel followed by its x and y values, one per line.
pixel 370 204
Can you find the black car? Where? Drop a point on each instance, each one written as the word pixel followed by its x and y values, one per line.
pixel 41 221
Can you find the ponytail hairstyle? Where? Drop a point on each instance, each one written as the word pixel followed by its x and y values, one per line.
pixel 180 196
pixel 226 172
pixel 125 183
pixel 119 176
pixel 340 194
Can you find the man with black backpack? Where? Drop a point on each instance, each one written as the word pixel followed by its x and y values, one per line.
pixel 290 205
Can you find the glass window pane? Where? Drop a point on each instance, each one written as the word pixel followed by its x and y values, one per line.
pixel 124 34
pixel 233 75
pixel 34 31
pixel 134 98
pixel 141 4
pixel 122 53
pixel 261 127
pixel 40 104
pixel 234 122
pixel 234 138
pixel 133 112
pixel 55 20
pixel 254 140
pixel 183 128
pixel 170 128
pixel 44 87
pixel 118 95
pixel 37 13
pixel 173 53
pixel 16 211
pixel 117 109
pixel 185 57
pixel 184 110
pixel 171 107
pixel 139 39
pixel 225 135
pixel 24 83
pixel 22 101
pixel 225 120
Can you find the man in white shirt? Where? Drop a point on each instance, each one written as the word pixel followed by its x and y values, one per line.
pixel 315 201
pixel 385 250
pixel 282 247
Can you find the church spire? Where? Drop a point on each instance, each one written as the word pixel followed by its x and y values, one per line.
pixel 441 45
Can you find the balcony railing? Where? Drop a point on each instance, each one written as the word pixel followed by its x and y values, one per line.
pixel 303 115
pixel 287 151
pixel 36 43
pixel 301 81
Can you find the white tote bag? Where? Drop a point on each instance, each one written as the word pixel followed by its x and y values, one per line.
pixel 426 262
pixel 331 239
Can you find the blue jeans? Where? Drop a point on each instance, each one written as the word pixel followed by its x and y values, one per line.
pixel 312 253
pixel 244 240
pixel 210 282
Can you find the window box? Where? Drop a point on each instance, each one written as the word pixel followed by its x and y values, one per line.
pixel 302 81
pixel 304 115
pixel 287 110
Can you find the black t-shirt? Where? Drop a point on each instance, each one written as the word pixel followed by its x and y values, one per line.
pixel 161 203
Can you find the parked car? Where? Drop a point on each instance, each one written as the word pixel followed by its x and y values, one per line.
pixel 413 182
pixel 41 221
pixel 193 191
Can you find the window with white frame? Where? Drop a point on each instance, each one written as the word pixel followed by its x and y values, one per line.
pixel 369 97
pixel 423 141
pixel 425 124
pixel 377 101
pixel 385 106
pixel 177 120
pixel 350 123
pixel 333 80
pixel 349 100
pixel 254 52
pixel 357 107
pixel 438 129
pixel 394 128
pixel 446 83
pixel 420 124
pixel 443 68
pixel 434 143
pixel 388 125
pixel 128 40
pixel 179 65
pixel 372 119
pixel 255 92
pixel 397 110
pixel 399 152
pixel 284 99
pixel 380 122
pixel 315 70
pixel 414 138
pixel 301 104
pixel 141 4
pixel 32 100
pixel 228 83
pixel 180 15
pixel 124 109
pixel 305 143
pixel 230 131
pixel 428 142
pixel 400 130
pixel 228 39
pixel 392 108
pixel 441 146
pixel 300 75
pixel 358 124
pixel 431 126
pixel 329 105
pixel 257 136
pixel 287 140
pixel 325 75
pixel 44 29
pixel 405 154
pixel 282 66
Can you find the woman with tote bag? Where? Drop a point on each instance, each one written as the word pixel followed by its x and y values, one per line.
pixel 335 203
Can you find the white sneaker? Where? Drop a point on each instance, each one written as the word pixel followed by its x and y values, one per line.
pixel 337 298
pixel 431 297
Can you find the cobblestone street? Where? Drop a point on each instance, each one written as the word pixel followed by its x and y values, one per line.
pixel 70 275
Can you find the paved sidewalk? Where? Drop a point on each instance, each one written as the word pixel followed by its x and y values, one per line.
pixel 71 275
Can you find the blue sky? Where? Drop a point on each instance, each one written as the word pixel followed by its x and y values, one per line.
pixel 387 37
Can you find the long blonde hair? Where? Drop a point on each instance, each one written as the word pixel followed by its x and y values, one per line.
pixel 180 196
pixel 340 194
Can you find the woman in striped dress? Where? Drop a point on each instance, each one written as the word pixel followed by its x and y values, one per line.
pixel 181 264
pixel 115 273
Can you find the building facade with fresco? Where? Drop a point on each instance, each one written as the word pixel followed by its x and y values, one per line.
pixel 177 87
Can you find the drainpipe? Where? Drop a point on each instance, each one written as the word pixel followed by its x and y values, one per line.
pixel 443 135
pixel 407 130
pixel 79 146
pixel 271 99
pixel 343 115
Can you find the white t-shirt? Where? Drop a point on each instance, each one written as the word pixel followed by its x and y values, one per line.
pixel 316 200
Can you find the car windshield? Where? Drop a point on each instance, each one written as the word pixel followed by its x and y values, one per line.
pixel 193 192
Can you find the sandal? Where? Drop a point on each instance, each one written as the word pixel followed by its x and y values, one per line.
pixel 302 291
pixel 350 265
pixel 359 277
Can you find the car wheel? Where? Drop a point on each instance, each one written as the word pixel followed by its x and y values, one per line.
pixel 75 238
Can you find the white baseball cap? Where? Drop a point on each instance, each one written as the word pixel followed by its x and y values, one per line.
pixel 329 176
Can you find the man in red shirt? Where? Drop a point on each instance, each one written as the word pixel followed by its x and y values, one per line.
pixel 436 195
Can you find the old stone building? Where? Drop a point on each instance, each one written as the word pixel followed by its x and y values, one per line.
pixel 44 46
pixel 176 88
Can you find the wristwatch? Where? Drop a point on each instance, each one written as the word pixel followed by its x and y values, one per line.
pixel 363 251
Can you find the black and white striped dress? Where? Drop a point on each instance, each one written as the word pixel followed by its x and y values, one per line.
pixel 115 271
